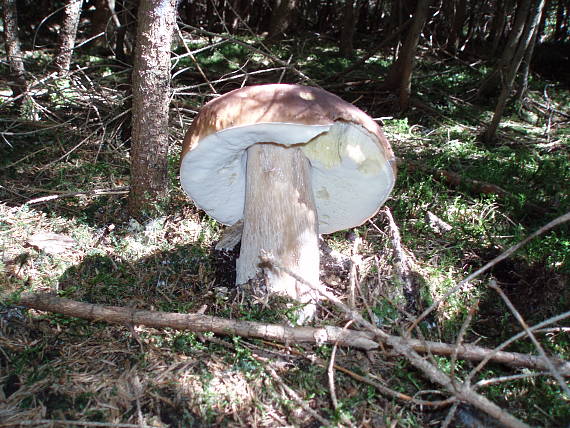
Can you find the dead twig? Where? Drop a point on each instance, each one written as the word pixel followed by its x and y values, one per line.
pixel 383 389
pixel 353 275
pixel 465 282
pixel 180 91
pixel 562 366
pixel 401 345
pixel 501 379
pixel 385 42
pixel 189 52
pixel 518 316
pixel 295 396
pixel 95 192
pixel 460 336
pixel 60 422
pixel 401 262
pixel 330 373
pixel 254 49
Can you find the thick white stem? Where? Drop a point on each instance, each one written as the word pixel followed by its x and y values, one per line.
pixel 280 217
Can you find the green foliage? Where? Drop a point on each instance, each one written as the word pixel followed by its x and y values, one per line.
pixel 385 312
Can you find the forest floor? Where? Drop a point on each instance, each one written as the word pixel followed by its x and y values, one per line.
pixel 458 204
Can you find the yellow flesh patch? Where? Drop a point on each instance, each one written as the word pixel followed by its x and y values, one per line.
pixel 346 141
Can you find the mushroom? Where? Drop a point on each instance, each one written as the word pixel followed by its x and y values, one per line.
pixel 292 162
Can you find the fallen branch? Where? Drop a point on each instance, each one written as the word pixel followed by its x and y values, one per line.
pixel 199 323
pixel 96 192
pixel 277 332
pixel 64 422
pixel 401 263
pixel 478 353
pixel 461 390
pixel 507 253
pixel 533 339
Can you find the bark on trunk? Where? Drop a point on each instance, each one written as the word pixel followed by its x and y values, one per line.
pixel 17 81
pixel 561 26
pixel 510 74
pixel 100 20
pixel 151 96
pixel 498 26
pixel 525 66
pixel 492 82
pixel 126 10
pixel 67 35
pixel 347 32
pixel 280 217
pixel 400 74
pixel 456 32
pixel 280 18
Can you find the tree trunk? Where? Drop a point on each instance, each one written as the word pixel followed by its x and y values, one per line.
pixel 456 31
pixel 100 21
pixel 347 31
pixel 67 35
pixel 377 16
pixel 17 81
pixel 126 11
pixel 561 25
pixel 280 18
pixel 400 74
pixel 151 96
pixel 498 25
pixel 362 24
pixel 280 217
pixel 510 74
pixel 492 82
pixel 525 71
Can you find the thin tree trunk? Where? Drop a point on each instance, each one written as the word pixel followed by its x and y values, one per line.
pixel 280 18
pixel 400 73
pixel 67 35
pixel 100 21
pixel 498 25
pixel 347 31
pixel 126 12
pixel 561 22
pixel 525 71
pixel 362 23
pixel 510 74
pixel 456 31
pixel 17 81
pixel 377 16
pixel 491 83
pixel 151 96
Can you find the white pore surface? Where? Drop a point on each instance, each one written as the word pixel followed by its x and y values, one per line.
pixel 351 178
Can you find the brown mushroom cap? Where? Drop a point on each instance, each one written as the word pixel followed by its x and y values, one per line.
pixel 336 136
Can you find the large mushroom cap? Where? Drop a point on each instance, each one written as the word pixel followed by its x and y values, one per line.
pixel 353 166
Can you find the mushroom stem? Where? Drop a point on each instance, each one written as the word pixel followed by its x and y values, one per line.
pixel 280 217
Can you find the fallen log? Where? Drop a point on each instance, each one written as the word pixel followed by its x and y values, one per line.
pixel 277 332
